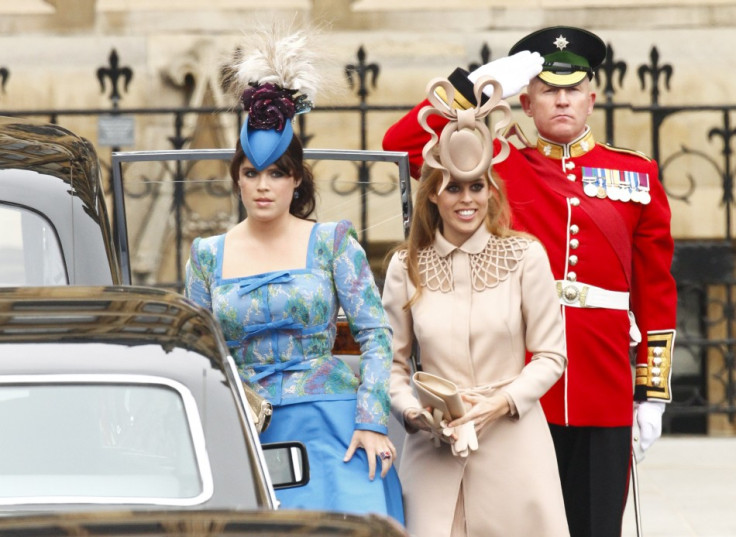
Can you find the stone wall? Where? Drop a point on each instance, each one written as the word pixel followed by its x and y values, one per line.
pixel 52 50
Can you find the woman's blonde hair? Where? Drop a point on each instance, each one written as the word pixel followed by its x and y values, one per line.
pixel 426 221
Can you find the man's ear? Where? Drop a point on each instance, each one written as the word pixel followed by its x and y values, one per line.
pixel 592 102
pixel 526 104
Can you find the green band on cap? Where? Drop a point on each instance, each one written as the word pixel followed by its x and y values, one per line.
pixel 565 56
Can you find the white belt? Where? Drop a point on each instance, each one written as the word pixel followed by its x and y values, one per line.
pixel 581 295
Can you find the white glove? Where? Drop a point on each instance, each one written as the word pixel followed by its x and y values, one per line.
pixel 512 72
pixel 649 420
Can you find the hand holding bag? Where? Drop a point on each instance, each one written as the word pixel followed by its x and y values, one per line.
pixel 444 398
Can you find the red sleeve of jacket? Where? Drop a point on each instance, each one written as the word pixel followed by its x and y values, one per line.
pixel 653 288
pixel 408 135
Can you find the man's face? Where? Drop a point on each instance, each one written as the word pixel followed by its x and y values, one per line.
pixel 560 114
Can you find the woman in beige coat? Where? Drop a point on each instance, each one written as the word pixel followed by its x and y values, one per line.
pixel 476 296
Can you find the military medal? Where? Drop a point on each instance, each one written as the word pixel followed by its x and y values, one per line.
pixel 634 187
pixel 590 180
pixel 640 187
pixel 644 196
pixel 625 192
pixel 594 182
pixel 614 184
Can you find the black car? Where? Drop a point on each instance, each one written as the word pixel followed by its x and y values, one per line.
pixel 55 226
pixel 199 524
pixel 124 397
pixel 120 410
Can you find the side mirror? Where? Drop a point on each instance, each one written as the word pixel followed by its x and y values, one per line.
pixel 288 464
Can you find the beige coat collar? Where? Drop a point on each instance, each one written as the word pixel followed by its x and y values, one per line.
pixel 474 245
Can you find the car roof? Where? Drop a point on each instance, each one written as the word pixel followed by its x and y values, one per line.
pixel 195 523
pixel 116 314
pixel 52 150
pixel 42 166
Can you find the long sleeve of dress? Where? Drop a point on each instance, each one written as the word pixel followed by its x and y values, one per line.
pixel 197 276
pixel 544 338
pixel 395 295
pixel 361 302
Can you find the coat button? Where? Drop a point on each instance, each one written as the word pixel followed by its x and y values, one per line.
pixel 574 243
pixel 574 202
pixel 571 176
pixel 573 260
pixel 574 229
pixel 572 276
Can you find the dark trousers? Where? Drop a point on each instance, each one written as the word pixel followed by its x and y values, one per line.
pixel 594 471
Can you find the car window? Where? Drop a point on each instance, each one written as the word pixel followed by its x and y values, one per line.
pixel 29 248
pixel 101 440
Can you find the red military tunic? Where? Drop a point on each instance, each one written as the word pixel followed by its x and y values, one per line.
pixel 616 247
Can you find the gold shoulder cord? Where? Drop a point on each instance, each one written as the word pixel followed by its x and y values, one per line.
pixel 653 378
pixel 633 152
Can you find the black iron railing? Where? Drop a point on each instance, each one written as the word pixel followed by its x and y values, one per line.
pixel 706 340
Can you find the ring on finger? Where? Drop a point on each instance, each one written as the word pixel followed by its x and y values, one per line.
pixel 385 455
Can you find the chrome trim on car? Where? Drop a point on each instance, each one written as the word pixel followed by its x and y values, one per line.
pixel 231 371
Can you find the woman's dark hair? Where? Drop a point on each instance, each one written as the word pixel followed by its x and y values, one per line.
pixel 292 163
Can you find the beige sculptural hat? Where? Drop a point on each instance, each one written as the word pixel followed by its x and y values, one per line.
pixel 464 149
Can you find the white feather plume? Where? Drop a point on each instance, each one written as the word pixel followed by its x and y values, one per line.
pixel 286 59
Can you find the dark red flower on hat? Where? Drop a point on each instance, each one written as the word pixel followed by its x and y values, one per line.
pixel 268 106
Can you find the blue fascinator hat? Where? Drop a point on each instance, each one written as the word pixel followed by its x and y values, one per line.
pixel 277 79
pixel 264 147
pixel 268 131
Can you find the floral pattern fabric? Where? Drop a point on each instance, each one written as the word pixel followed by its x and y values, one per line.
pixel 280 326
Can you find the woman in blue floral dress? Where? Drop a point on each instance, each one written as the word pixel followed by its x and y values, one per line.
pixel 275 283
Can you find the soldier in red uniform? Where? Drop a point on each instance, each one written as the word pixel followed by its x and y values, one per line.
pixel 604 219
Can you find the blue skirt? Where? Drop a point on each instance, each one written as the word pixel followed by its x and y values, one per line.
pixel 326 428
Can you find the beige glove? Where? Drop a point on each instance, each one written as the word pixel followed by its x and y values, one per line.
pixel 466 442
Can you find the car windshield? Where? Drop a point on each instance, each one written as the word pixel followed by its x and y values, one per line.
pixel 29 249
pixel 100 441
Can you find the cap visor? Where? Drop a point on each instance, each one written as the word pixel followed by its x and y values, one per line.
pixel 562 80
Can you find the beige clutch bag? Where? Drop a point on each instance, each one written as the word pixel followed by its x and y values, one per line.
pixel 261 408
pixel 438 393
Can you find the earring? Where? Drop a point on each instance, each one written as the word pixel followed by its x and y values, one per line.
pixel 296 194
